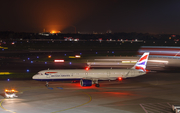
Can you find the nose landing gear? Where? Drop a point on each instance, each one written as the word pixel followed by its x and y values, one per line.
pixel 47 84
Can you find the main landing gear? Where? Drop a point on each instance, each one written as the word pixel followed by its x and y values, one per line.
pixel 97 85
pixel 47 84
pixel 95 81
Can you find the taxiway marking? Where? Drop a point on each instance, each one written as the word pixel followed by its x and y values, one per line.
pixel 90 99
pixel 5 108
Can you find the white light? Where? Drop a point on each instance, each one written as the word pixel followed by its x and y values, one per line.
pixel 58 60
pixel 160 61
pixel 77 56
pixel 125 61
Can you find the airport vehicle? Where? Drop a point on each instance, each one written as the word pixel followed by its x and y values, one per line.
pixel 10 93
pixel 88 77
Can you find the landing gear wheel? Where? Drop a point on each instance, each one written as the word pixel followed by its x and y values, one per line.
pixel 47 84
pixel 97 85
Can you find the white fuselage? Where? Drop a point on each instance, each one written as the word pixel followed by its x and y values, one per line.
pixel 78 74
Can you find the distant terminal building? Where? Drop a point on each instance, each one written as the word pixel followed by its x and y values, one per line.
pixel 44 34
pixel 108 31
pixel 49 33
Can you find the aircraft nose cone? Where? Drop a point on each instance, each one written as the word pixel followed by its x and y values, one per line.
pixel 34 77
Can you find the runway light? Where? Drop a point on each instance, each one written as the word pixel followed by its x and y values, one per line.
pixel 58 60
pixel 72 57
pixel 77 56
pixel 27 70
pixel 49 56
pixel 125 61
pixel 4 73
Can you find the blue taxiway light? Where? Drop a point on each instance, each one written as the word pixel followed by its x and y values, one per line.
pixel 70 63
pixel 45 62
pixel 37 56
pixel 28 58
pixel 8 79
pixel 31 61
pixel 27 70
pixel 59 87
pixel 50 88
pixel 96 52
pixel 112 51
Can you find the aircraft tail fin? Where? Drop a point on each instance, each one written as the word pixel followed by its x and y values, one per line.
pixel 141 64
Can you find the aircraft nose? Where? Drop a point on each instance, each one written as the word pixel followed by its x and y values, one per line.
pixel 34 77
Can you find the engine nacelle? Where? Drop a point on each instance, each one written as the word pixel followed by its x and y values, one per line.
pixel 85 82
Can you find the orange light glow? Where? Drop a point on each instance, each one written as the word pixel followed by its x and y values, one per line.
pixel 49 56
pixel 53 31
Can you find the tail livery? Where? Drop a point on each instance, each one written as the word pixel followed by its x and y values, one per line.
pixel 141 64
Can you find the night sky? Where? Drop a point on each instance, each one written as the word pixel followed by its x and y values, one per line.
pixel 142 16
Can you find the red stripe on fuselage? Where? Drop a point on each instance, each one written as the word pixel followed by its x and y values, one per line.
pixel 50 72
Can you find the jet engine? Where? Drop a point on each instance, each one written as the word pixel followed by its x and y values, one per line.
pixel 85 82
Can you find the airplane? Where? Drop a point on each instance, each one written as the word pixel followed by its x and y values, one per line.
pixel 88 77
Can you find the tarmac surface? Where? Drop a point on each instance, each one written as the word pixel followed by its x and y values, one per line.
pixel 154 92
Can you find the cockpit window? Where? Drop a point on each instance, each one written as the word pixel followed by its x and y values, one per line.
pixel 39 74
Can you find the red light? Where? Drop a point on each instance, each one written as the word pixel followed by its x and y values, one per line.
pixel 147 71
pixel 87 68
pixel 119 78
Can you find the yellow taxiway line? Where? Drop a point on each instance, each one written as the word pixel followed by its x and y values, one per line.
pixel 4 108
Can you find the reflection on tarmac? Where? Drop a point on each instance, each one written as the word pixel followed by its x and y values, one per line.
pixel 153 92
